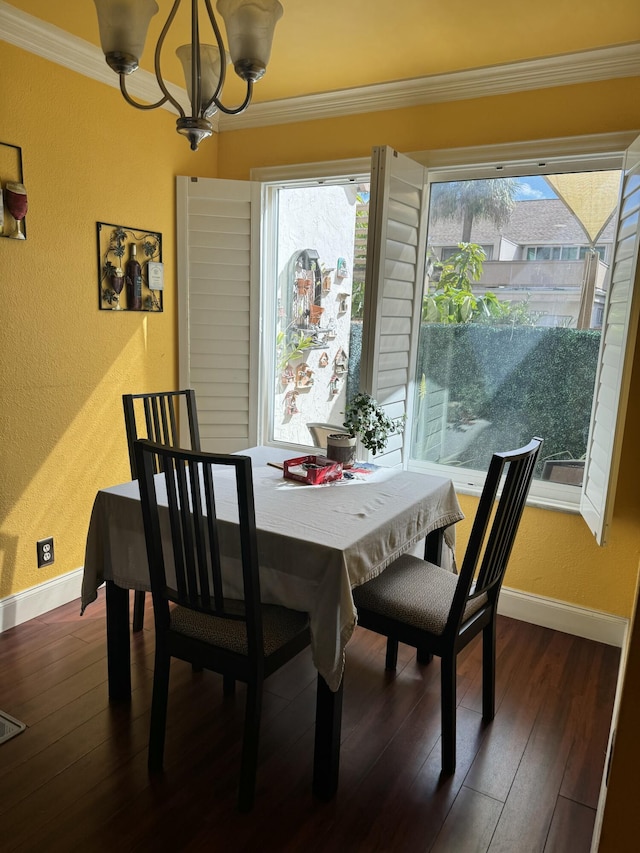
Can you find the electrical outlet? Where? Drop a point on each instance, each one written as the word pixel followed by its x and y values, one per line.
pixel 44 550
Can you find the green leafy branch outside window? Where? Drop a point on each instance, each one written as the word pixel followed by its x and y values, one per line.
pixel 454 301
pixel 291 347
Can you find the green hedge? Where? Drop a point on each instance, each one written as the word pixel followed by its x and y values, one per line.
pixel 355 353
pixel 506 384
pixel 516 382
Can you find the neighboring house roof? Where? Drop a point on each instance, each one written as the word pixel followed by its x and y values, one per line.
pixel 532 223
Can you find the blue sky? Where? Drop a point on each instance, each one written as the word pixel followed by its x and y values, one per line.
pixel 532 188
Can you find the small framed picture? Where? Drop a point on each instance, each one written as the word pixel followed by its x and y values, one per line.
pixel 155 275
pixel 130 268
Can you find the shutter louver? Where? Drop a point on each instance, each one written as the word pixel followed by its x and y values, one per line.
pixel 396 244
pixel 619 330
pixel 218 308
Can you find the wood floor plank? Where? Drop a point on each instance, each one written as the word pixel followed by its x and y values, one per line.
pixel 68 613
pixel 71 686
pixel 583 773
pixel 19 643
pixel 469 825
pixel 499 757
pixel 571 828
pixel 105 771
pixel 376 774
pixel 505 664
pixel 43 667
pixel 533 795
pixel 201 765
pixel 412 814
pixel 50 730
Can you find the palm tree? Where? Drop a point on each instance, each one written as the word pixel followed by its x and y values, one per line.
pixel 492 199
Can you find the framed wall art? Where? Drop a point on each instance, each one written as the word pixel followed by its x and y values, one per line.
pixel 13 194
pixel 130 269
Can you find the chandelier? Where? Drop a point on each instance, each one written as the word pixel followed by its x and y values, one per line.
pixel 249 24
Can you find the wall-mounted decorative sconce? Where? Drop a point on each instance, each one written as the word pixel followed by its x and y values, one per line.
pixel 13 196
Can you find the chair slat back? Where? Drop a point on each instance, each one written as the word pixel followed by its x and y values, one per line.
pixel 184 534
pixel 495 527
pixel 156 417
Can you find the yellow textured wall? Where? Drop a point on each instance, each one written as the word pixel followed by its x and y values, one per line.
pixel 64 364
pixel 555 555
pixel 564 111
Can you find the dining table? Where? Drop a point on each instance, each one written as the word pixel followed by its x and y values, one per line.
pixel 315 543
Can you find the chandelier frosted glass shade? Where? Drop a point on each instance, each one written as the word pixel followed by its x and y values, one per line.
pixel 209 72
pixel 123 28
pixel 250 26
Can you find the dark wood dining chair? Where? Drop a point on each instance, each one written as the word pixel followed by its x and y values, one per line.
pixel 195 619
pixel 156 417
pixel 438 612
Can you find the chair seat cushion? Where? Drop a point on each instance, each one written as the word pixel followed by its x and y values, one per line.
pixel 414 592
pixel 279 625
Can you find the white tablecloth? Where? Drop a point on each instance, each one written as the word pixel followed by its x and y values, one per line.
pixel 315 542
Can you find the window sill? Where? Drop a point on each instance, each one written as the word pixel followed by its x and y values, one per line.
pixel 544 495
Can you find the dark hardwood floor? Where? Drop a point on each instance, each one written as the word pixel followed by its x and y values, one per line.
pixel 76 779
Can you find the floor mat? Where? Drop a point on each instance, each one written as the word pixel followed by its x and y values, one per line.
pixel 9 727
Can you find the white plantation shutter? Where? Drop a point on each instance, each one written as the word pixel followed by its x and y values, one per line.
pixel 396 245
pixel 218 307
pixel 619 330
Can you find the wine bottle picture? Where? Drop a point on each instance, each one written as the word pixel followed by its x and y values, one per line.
pixel 133 278
pixel 130 268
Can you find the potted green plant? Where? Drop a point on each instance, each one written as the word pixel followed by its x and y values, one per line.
pixel 365 420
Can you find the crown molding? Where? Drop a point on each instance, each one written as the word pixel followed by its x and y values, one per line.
pixel 585 67
pixel 52 43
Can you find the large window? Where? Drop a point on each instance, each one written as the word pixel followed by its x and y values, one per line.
pixel 396 241
pixel 562 253
pixel 252 281
pixel 507 349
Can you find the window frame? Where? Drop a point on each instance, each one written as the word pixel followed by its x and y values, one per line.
pixel 597 151
pixel 272 180
pixel 580 249
pixel 545 494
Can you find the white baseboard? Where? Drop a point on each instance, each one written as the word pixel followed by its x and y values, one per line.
pixel 561 616
pixel 536 609
pixel 25 605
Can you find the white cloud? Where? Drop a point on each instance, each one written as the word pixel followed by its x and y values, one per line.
pixel 527 192
pixel 531 188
